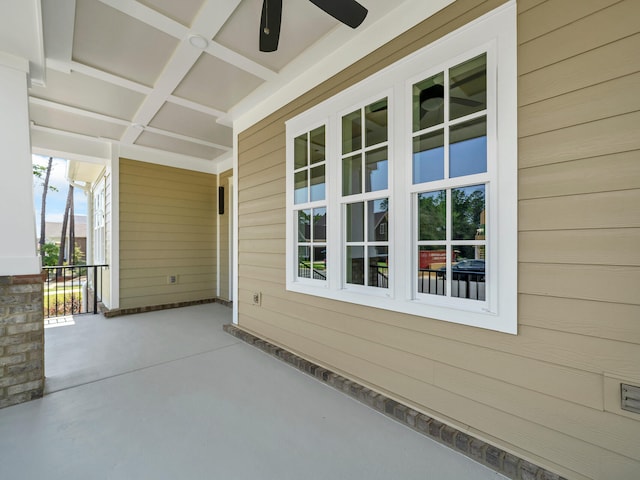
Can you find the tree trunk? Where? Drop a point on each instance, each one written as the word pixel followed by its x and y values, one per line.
pixel 65 219
pixel 43 208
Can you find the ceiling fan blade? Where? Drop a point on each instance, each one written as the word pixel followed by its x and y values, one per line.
pixel 348 12
pixel 270 25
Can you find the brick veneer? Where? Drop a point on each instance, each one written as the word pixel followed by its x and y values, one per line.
pixel 154 308
pixel 499 460
pixel 21 339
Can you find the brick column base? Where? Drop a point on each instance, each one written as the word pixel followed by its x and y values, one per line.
pixel 21 339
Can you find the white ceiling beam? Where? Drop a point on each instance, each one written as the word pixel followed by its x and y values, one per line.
pixel 110 78
pixel 198 107
pixel 149 16
pixel 178 136
pixel 77 111
pixel 240 61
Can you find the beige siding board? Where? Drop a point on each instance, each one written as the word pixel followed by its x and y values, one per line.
pixel 167 227
pixel 597 210
pixel 270 260
pixel 524 5
pixel 563 453
pixel 185 280
pixel 177 235
pixel 261 231
pixel 254 192
pixel 613 61
pixel 158 172
pixel 163 299
pixel 134 190
pixel 608 25
pixel 274 145
pixel 161 254
pixel 600 101
pixel 606 430
pixel 615 284
pixel 133 228
pixel 273 217
pixel 612 321
pixel 620 171
pixel 265 274
pixel 263 205
pixel 554 14
pixel 262 246
pixel 201 214
pixel 554 380
pixel 269 160
pixel 267 175
pixel 597 247
pixel 593 139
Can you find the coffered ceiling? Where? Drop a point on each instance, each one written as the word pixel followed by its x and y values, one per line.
pixel 165 74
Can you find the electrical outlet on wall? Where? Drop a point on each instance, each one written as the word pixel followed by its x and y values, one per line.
pixel 172 279
pixel 257 298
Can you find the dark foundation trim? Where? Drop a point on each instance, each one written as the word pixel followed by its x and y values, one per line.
pixel 493 457
pixel 154 308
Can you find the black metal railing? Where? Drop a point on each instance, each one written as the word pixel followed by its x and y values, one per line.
pixel 378 276
pixel 305 270
pixel 463 284
pixel 72 289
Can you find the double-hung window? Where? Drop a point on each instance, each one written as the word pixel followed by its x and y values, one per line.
pixel 401 190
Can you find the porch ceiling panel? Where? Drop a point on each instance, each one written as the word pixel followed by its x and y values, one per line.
pixel 216 84
pixel 183 147
pixel 185 121
pixel 182 11
pixel 88 93
pixel 179 72
pixel 302 24
pixel 111 41
pixel 69 122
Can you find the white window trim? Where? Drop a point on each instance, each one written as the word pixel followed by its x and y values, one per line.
pixel 494 33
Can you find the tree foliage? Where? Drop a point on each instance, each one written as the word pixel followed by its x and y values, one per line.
pixel 49 253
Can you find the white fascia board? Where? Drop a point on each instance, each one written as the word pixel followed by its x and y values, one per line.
pixel 306 72
pixel 168 159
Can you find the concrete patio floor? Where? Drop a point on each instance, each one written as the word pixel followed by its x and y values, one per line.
pixel 169 395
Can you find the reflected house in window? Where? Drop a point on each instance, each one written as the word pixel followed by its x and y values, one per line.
pixel 381 224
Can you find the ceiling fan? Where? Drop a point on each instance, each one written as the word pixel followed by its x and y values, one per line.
pixel 432 98
pixel 348 12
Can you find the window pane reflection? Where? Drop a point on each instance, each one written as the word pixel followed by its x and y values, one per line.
pixel 428 157
pixel 468 213
pixel 432 267
pixel 468 87
pixel 428 102
pixel 376 165
pixel 468 273
pixel 300 151
pixel 355 265
pixel 351 132
pixel 304 262
pixel 320 263
pixel 432 215
pixel 317 145
pixel 378 220
pixel 319 224
pixel 301 188
pixel 304 225
pixel 317 183
pixel 378 267
pixel 376 123
pixel 355 222
pixel 352 175
pixel 468 148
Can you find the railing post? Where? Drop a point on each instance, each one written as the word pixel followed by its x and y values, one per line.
pixel 95 289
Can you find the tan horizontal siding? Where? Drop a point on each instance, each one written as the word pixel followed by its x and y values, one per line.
pixel 540 393
pixel 613 60
pixel 167 227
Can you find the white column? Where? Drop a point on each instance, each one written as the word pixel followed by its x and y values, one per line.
pixel 18 255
